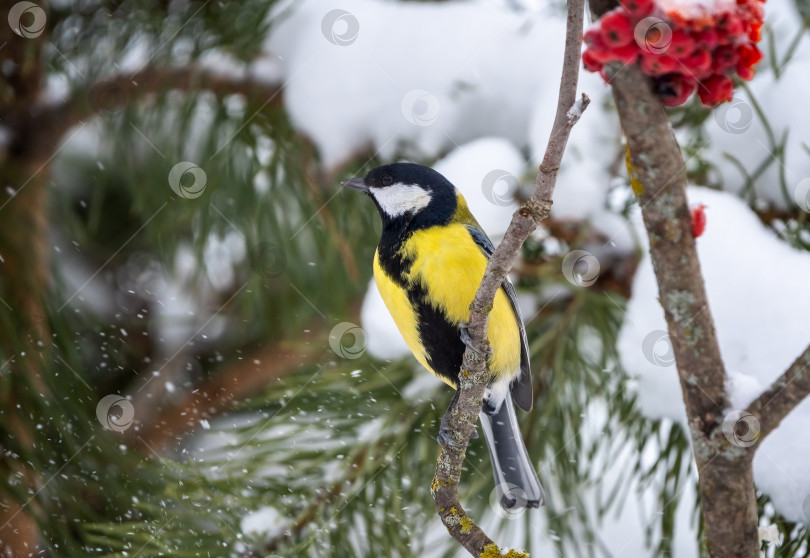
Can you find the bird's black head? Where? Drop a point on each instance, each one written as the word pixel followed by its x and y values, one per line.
pixel 408 195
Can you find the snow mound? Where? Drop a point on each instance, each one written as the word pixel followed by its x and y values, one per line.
pixel 443 75
pixel 487 172
pixel 736 135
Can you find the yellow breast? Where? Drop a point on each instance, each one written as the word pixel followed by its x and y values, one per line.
pixel 448 266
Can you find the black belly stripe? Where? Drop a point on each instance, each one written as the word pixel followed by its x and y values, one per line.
pixel 439 337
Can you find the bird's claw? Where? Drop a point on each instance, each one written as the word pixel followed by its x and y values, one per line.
pixel 467 340
pixel 444 435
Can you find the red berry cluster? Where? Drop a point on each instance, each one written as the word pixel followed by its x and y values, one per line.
pixel 681 50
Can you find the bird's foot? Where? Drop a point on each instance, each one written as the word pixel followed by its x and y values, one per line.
pixel 467 340
pixel 444 435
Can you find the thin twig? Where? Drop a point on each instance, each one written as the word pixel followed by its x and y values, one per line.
pixel 462 415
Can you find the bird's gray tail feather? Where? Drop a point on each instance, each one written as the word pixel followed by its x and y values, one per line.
pixel 515 478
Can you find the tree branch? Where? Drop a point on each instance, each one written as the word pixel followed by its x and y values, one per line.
pixel 239 379
pixel 725 468
pixel 54 119
pixel 658 165
pixel 785 393
pixel 725 472
pixel 462 414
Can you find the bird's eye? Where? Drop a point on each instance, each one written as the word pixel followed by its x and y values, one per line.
pixel 386 180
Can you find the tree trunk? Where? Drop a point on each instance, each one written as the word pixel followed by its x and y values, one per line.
pixel 23 269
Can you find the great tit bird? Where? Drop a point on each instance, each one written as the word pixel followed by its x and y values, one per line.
pixel 429 262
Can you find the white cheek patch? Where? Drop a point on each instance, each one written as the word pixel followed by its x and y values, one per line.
pixel 399 199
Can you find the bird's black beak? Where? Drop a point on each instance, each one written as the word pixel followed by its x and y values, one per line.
pixel 358 184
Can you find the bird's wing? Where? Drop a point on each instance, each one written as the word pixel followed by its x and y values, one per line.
pixel 521 387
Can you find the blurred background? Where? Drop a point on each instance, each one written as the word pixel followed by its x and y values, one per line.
pixel 194 362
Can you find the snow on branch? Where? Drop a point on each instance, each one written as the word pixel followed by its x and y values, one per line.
pixel 462 415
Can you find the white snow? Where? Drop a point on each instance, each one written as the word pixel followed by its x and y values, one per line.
pixel 487 172
pixel 462 70
pixel 696 8
pixel 594 146
pixel 757 289
pixel 383 340
pixel 266 69
pixel 737 130
pixel 265 521
pixel 575 112
pixel 412 91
